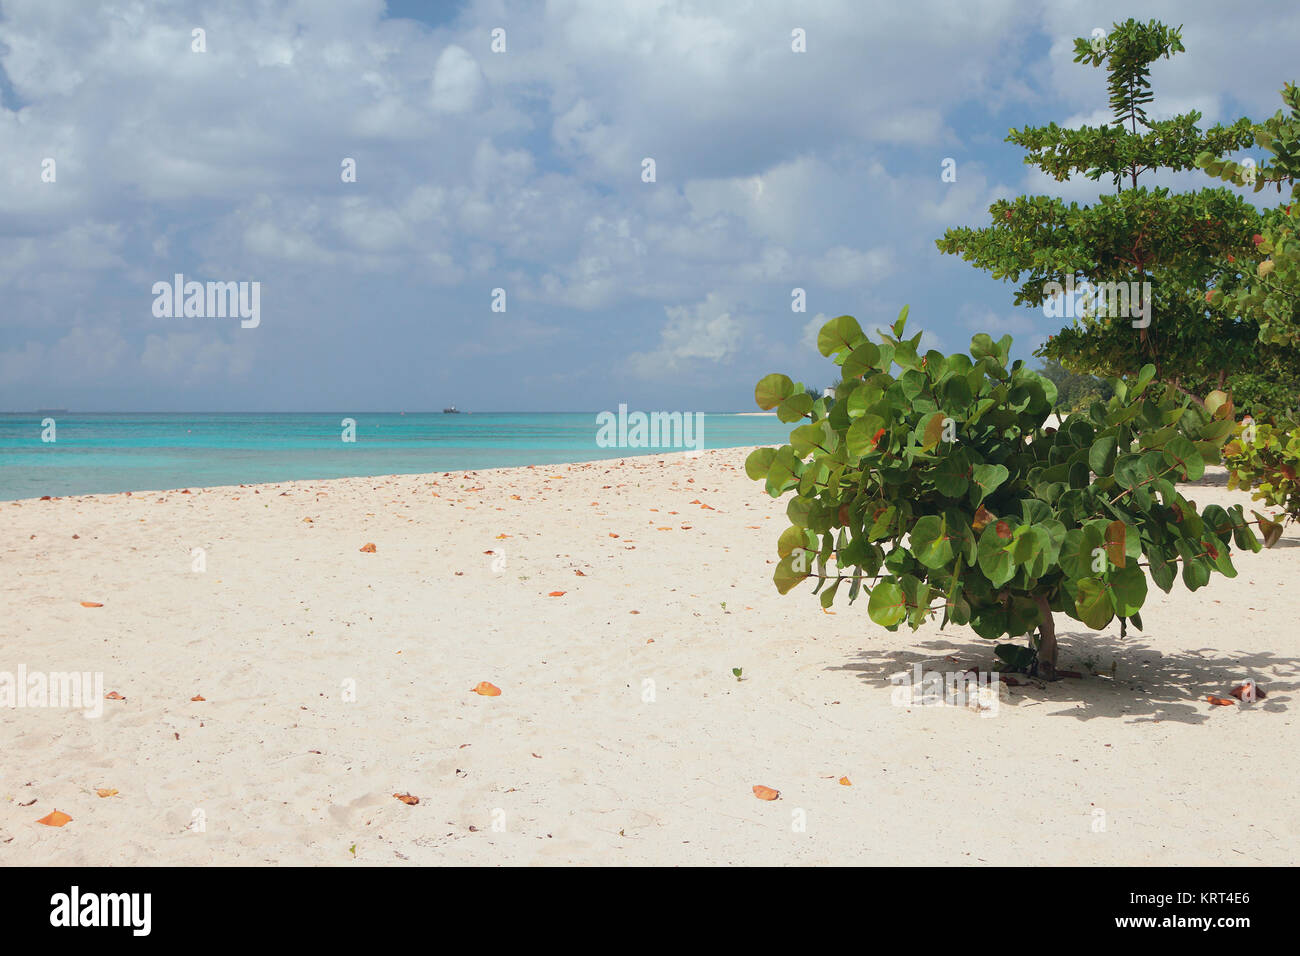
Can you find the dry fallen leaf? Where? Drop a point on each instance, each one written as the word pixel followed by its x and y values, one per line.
pixel 579 573
pixel 113 695
pixel 368 548
pixel 56 819
pixel 845 782
pixel 105 792
pixel 407 799
pixel 765 793
pixel 1219 701
pixel 91 604
pixel 198 697
pixel 1240 690
pixel 485 689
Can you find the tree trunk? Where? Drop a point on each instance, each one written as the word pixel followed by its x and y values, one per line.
pixel 1045 660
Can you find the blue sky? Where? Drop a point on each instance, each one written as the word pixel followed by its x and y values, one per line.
pixel 521 170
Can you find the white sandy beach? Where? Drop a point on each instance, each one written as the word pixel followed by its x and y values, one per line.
pixel 276 765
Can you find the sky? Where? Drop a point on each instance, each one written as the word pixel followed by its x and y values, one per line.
pixel 523 169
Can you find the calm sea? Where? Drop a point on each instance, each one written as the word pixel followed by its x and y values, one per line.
pixel 97 454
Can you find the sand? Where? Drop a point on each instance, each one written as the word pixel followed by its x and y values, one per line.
pixel 333 679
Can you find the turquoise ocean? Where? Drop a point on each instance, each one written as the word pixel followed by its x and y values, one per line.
pixel 103 453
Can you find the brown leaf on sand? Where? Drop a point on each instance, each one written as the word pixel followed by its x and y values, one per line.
pixel 557 594
pixel 368 547
pixel 56 819
pixel 845 782
pixel 765 793
pixel 581 574
pixel 308 520
pixel 1219 701
pixel 91 604
pixel 484 689
pixel 198 697
pixel 407 799
pixel 113 695
pixel 106 792
pixel 613 535
pixel 500 536
pixel 1239 692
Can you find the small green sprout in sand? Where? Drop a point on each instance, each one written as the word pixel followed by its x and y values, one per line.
pixel 736 672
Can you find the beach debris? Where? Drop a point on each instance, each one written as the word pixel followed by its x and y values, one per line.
pixel 197 697
pixel 407 799
pixel 56 819
pixel 1247 692
pixel 845 782
pixel 581 574
pixel 557 594
pixel 766 793
pixel 106 792
pixel 368 547
pixel 91 604
pixel 613 535
pixel 485 689
pixel 113 695
pixel 1219 701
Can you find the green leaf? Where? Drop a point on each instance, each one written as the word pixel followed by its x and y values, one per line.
pixel 839 334
pixel 930 543
pixel 987 479
pixel 772 390
pixel 758 462
pixel 1101 456
pixel 795 407
pixel 1093 603
pixel 1128 590
pixel 886 606
pixel 861 360
pixel 786 577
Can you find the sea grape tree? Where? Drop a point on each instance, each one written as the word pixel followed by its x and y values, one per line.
pixel 935 485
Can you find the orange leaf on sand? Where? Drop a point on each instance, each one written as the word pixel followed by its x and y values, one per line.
pixel 1240 690
pixel 845 782
pixel 613 535
pixel 765 793
pixel 198 697
pixel 407 799
pixel 56 819
pixel 500 536
pixel 91 604
pixel 581 574
pixel 106 792
pixel 556 594
pixel 1219 701
pixel 368 547
pixel 113 695
pixel 484 689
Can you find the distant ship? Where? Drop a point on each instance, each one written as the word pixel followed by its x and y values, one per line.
pixel 451 411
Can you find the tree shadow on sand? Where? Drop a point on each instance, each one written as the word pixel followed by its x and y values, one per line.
pixel 1147 685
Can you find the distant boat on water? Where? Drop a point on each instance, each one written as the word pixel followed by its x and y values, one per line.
pixel 451 411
